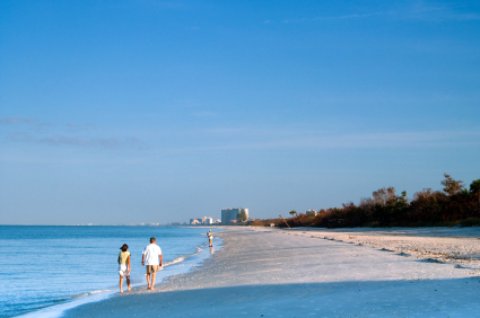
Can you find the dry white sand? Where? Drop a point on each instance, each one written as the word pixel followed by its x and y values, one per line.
pixel 457 246
pixel 272 273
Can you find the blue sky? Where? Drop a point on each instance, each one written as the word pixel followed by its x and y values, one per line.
pixel 156 111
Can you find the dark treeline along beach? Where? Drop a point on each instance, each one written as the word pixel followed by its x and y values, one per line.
pixel 454 205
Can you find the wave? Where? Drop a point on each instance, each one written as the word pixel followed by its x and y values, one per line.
pixel 92 293
pixel 181 259
pixel 175 261
pixel 60 309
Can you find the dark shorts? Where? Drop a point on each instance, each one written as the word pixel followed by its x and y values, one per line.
pixel 152 269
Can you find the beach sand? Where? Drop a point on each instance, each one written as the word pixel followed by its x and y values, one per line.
pixel 273 273
pixel 457 246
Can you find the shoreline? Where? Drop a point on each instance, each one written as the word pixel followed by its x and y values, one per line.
pixel 177 266
pixel 275 273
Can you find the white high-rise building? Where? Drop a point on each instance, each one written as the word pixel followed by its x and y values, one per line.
pixel 207 220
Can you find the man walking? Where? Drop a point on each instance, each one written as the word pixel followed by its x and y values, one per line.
pixel 152 258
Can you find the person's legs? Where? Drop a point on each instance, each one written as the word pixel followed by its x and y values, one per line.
pixel 154 277
pixel 120 283
pixel 128 283
pixel 148 279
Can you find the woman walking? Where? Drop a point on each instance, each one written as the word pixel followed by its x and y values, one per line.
pixel 124 266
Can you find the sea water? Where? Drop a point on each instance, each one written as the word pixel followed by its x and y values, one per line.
pixel 43 266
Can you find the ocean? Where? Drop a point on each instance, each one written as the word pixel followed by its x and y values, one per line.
pixel 45 266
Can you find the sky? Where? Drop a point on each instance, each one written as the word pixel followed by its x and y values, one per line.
pixel 122 112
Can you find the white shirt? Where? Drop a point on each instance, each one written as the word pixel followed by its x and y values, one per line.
pixel 151 254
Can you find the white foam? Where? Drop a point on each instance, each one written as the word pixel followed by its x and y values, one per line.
pixel 58 310
pixel 176 261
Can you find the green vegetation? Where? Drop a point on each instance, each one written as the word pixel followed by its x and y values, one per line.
pixel 455 205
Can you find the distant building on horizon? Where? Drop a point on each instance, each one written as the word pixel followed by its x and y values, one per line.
pixel 206 220
pixel 195 221
pixel 234 215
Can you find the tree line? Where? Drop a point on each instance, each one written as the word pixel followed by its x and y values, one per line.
pixel 454 205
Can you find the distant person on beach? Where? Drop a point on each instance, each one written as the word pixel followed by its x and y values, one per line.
pixel 124 266
pixel 210 238
pixel 152 258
